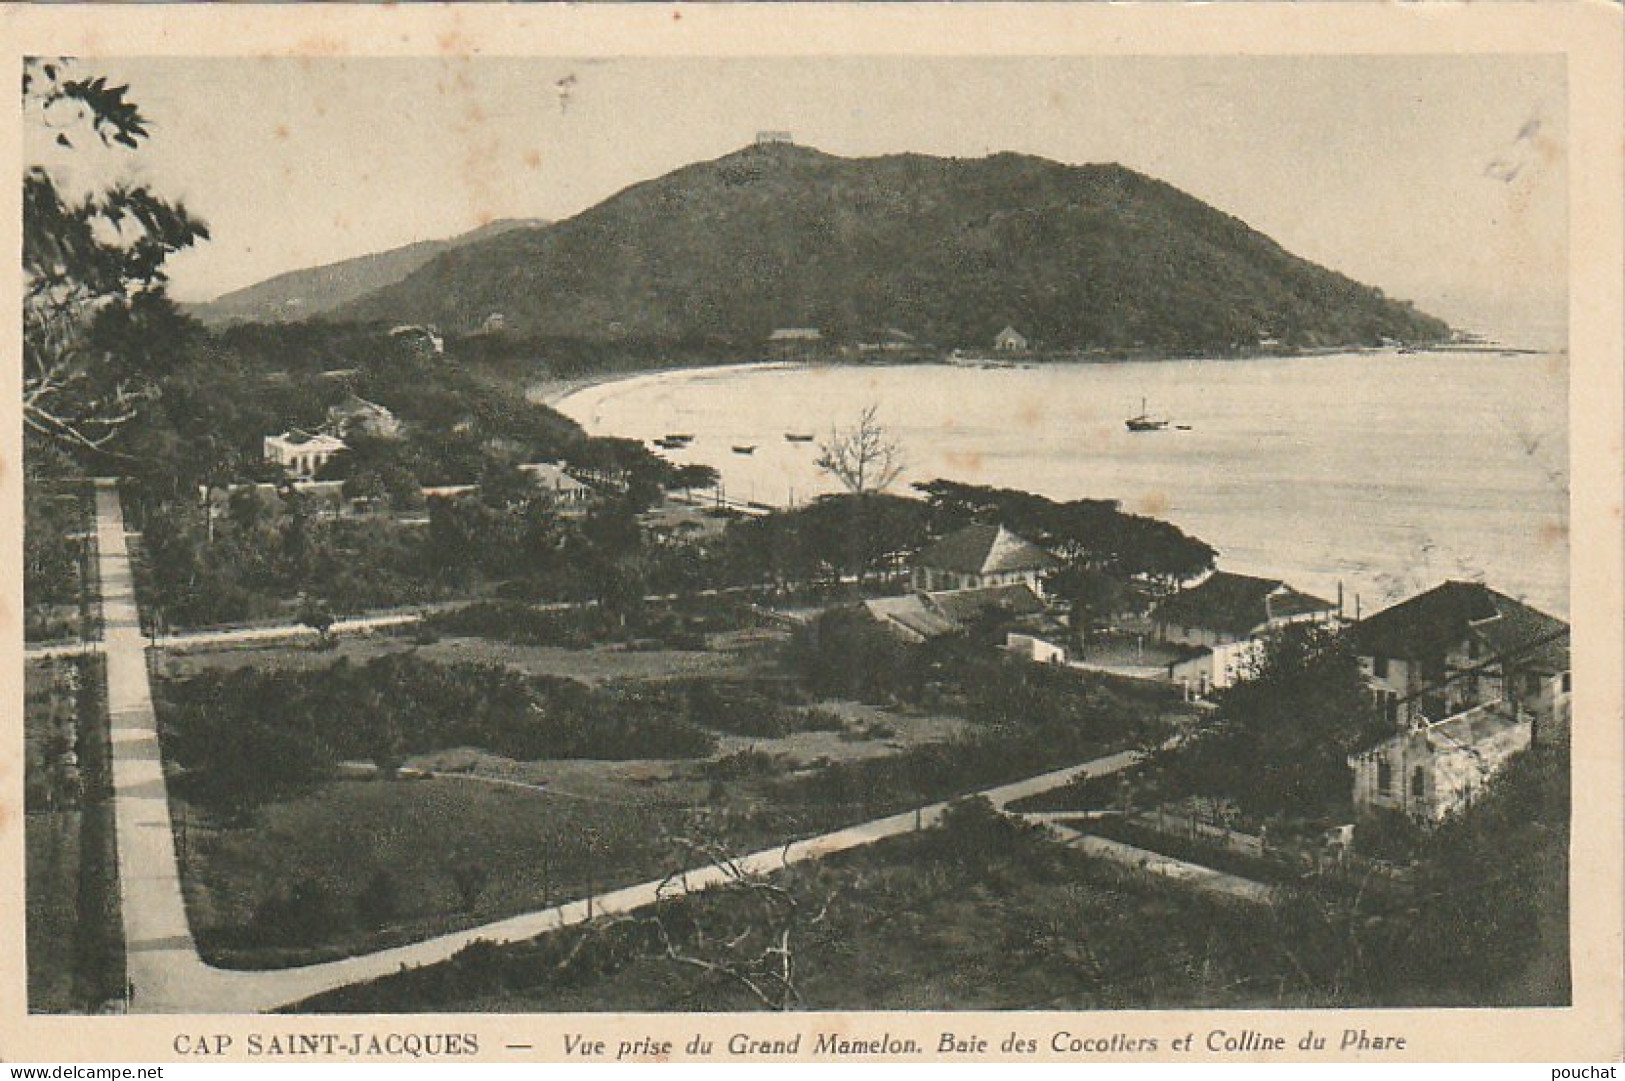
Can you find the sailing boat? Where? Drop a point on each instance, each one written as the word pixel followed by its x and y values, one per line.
pixel 1145 422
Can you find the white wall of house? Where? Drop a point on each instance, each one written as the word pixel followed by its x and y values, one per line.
pixel 1221 666
pixel 934 580
pixel 301 459
pixel 1417 691
pixel 1034 649
pixel 1194 636
pixel 1428 777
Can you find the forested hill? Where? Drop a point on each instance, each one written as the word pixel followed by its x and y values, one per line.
pixel 300 294
pixel 947 250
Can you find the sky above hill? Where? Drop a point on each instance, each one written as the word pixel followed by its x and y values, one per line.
pixel 1440 179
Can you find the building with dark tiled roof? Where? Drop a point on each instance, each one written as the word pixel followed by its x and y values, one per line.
pixel 1468 676
pixel 980 556
pixel 917 617
pixel 1225 608
pixel 1460 644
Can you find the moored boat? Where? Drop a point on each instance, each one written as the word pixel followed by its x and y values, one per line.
pixel 1145 422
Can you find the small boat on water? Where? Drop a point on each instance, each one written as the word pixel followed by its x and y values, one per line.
pixel 798 437
pixel 679 438
pixel 1145 422
pixel 745 448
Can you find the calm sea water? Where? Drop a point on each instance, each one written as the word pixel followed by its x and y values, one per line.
pixel 1385 472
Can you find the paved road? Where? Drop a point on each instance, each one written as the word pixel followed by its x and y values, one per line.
pixel 166 973
pixel 233 635
pixel 164 968
pixel 276 632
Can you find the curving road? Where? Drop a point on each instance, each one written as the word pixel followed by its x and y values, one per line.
pixel 167 975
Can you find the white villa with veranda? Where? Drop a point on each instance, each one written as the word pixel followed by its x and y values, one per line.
pixel 300 452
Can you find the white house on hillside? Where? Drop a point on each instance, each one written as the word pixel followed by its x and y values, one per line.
pixel 565 489
pixel 300 452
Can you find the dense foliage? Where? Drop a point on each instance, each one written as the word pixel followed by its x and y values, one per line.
pixel 1092 533
pixel 1280 739
pixel 92 260
pixel 949 250
pixel 249 735
pixel 850 536
pixel 53 552
pixel 988 913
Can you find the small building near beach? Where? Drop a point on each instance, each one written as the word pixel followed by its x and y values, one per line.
pixel 790 343
pixel 980 556
pixel 565 490
pixel 1010 340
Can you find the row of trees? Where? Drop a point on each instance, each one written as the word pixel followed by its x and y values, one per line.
pixel 249 735
pixel 1093 533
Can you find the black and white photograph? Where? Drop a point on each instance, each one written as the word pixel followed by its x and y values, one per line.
pixel 820 534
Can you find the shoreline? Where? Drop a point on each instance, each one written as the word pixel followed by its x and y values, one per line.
pixel 765 477
pixel 553 392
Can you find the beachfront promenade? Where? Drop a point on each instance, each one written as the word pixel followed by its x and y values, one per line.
pixel 166 974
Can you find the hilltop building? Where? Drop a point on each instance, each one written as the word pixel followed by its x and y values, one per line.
pixel 980 556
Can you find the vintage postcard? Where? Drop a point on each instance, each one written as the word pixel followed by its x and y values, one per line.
pixel 813 533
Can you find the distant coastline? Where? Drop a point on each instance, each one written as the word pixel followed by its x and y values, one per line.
pixel 1056 429
pixel 555 391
